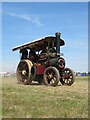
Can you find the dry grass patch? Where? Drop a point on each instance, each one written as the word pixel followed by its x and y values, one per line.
pixel 40 101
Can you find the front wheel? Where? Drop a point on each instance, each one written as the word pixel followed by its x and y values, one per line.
pixel 67 77
pixel 51 76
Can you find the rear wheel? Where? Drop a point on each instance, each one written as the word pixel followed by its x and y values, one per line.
pixel 24 72
pixel 51 76
pixel 67 77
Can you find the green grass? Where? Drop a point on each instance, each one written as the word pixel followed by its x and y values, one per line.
pixel 40 101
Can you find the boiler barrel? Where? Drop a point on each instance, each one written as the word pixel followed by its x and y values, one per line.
pixel 54 62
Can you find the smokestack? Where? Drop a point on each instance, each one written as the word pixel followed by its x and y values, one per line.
pixel 58 43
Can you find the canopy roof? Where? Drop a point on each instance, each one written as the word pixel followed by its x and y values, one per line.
pixel 39 43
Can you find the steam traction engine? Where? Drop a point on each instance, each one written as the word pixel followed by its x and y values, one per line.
pixel 41 61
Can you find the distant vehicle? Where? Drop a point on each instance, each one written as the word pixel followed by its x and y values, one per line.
pixel 41 61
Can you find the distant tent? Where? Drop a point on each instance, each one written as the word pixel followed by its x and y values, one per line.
pixel 83 74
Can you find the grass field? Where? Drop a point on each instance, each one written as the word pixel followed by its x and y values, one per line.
pixel 40 101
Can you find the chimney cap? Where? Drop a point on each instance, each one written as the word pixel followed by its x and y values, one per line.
pixel 57 33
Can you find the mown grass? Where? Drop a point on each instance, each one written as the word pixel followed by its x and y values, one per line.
pixel 40 101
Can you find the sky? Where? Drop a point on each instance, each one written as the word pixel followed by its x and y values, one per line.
pixel 23 22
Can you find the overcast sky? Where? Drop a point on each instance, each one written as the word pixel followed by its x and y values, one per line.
pixel 24 22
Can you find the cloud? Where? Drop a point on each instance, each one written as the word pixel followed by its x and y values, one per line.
pixel 33 19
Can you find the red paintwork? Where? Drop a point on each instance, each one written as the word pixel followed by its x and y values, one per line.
pixel 40 69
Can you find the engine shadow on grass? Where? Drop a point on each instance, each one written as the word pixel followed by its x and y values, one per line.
pixel 42 84
pixel 32 84
pixel 37 84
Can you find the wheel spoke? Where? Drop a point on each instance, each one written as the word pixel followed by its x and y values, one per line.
pixel 52 81
pixel 70 74
pixel 68 81
pixel 46 76
pixel 70 77
pixel 19 71
pixel 48 81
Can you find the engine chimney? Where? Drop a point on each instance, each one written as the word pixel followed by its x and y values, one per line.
pixel 58 43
